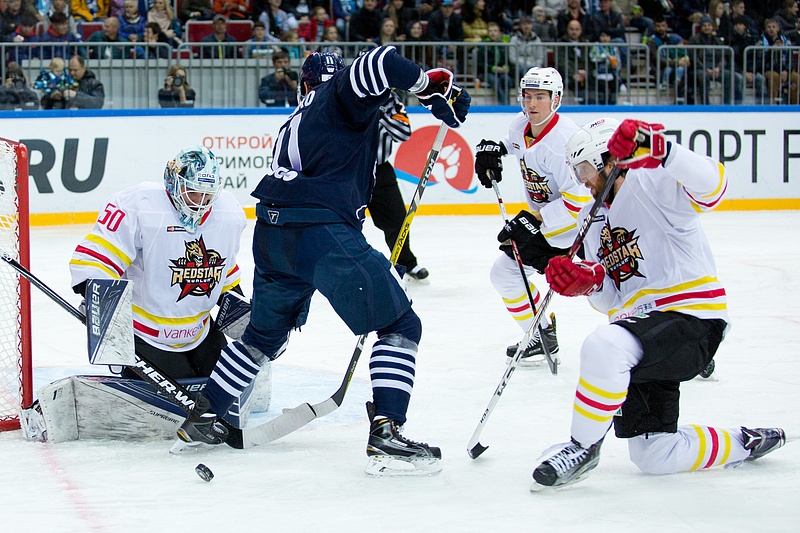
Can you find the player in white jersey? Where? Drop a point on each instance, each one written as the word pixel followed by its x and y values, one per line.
pixel 178 246
pixel 649 267
pixel 537 137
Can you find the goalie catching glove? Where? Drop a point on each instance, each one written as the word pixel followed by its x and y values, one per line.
pixel 533 248
pixel 637 144
pixel 489 162
pixel 440 93
pixel 569 278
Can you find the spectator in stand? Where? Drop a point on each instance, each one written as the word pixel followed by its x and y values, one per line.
pixel 195 10
pixel 745 72
pixel 574 12
pixel 259 44
pixel 279 89
pixel 64 7
pixel 15 93
pixel 526 49
pixel 521 7
pixel 7 24
pixel 738 9
pixel 109 34
pixel 674 62
pixel 176 91
pixel 293 46
pixel 87 92
pixel 13 12
pixel 220 37
pixel 331 35
pixel 762 10
pixel 401 15
pixel 365 25
pixel 788 21
pixel 388 33
pixel 132 23
pixel 552 8
pixel 573 62
pixel 689 14
pixel 232 9
pixel 720 20
pixel 609 21
pixel 162 13
pixel 90 10
pixel 779 66
pixel 493 65
pixel 152 43
pixel 474 21
pixel 633 15
pixel 424 8
pixel 604 58
pixel 343 11
pixel 420 54
pixel 277 20
pixel 116 8
pixel 312 32
pixel 542 25
pixel 24 33
pixel 300 9
pixel 445 25
pixel 58 33
pixel 52 81
pixel 709 65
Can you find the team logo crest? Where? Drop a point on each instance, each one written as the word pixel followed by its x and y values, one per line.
pixel 619 253
pixel 198 271
pixel 537 187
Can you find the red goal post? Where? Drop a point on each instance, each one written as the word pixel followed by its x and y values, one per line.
pixel 16 371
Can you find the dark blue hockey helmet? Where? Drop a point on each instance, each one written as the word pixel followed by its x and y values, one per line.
pixel 319 68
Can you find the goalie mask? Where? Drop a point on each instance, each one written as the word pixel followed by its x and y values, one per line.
pixel 586 147
pixel 193 183
pixel 543 79
pixel 318 68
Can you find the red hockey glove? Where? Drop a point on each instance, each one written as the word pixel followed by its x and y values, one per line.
pixel 637 144
pixel 574 279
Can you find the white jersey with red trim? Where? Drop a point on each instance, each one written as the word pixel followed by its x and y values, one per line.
pixel 651 243
pixel 549 189
pixel 177 276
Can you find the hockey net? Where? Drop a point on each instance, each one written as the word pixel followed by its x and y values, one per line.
pixel 16 376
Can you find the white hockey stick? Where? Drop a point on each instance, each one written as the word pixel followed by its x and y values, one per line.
pixel 474 447
pixel 551 361
pixel 293 419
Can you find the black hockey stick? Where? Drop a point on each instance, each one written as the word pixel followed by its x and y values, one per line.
pixel 551 362
pixel 293 419
pixel 146 370
pixel 474 447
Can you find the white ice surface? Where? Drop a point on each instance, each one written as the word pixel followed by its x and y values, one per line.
pixel 313 480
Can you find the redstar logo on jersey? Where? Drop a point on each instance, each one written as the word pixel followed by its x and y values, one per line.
pixel 537 187
pixel 198 271
pixel 619 253
pixel 454 165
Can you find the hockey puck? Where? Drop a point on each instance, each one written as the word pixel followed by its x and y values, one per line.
pixel 204 472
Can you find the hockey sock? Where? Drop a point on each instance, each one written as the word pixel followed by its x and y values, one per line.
pixel 392 367
pixel 234 372
pixel 508 283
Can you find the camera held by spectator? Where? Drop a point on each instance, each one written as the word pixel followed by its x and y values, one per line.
pixel 15 93
pixel 176 91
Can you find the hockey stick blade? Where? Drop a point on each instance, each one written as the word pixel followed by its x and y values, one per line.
pixel 476 450
pixel 146 370
pixel 581 235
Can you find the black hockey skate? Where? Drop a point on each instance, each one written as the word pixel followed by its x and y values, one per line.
pixel 202 425
pixel 534 353
pixel 761 441
pixel 391 454
pixel 708 370
pixel 418 273
pixel 567 466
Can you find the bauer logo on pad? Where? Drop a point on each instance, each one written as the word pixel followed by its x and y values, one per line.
pixel 109 322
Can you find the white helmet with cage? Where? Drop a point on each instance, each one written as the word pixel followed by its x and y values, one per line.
pixel 588 144
pixel 193 182
pixel 544 79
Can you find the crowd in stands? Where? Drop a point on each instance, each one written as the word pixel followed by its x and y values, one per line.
pixel 524 23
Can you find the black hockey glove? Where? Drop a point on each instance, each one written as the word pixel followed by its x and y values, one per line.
pixel 489 162
pixel 436 98
pixel 534 250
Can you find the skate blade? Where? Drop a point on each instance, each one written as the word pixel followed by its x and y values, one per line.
pixel 385 466
pixel 414 281
pixel 179 447
pixel 714 378
pixel 537 488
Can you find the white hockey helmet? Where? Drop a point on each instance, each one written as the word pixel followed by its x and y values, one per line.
pixel 588 144
pixel 545 79
pixel 193 183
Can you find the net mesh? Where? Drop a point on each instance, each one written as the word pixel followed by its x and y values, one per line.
pixel 10 307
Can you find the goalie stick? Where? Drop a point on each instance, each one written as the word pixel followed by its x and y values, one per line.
pixel 551 362
pixel 474 447
pixel 293 419
pixel 142 367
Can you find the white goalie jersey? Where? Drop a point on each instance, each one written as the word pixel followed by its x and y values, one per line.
pixel 178 276
pixel 549 189
pixel 651 244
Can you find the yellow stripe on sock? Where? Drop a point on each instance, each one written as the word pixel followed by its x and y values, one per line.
pixel 701 454
pixel 592 416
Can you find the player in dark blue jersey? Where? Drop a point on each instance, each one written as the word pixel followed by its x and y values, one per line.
pixel 308 237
